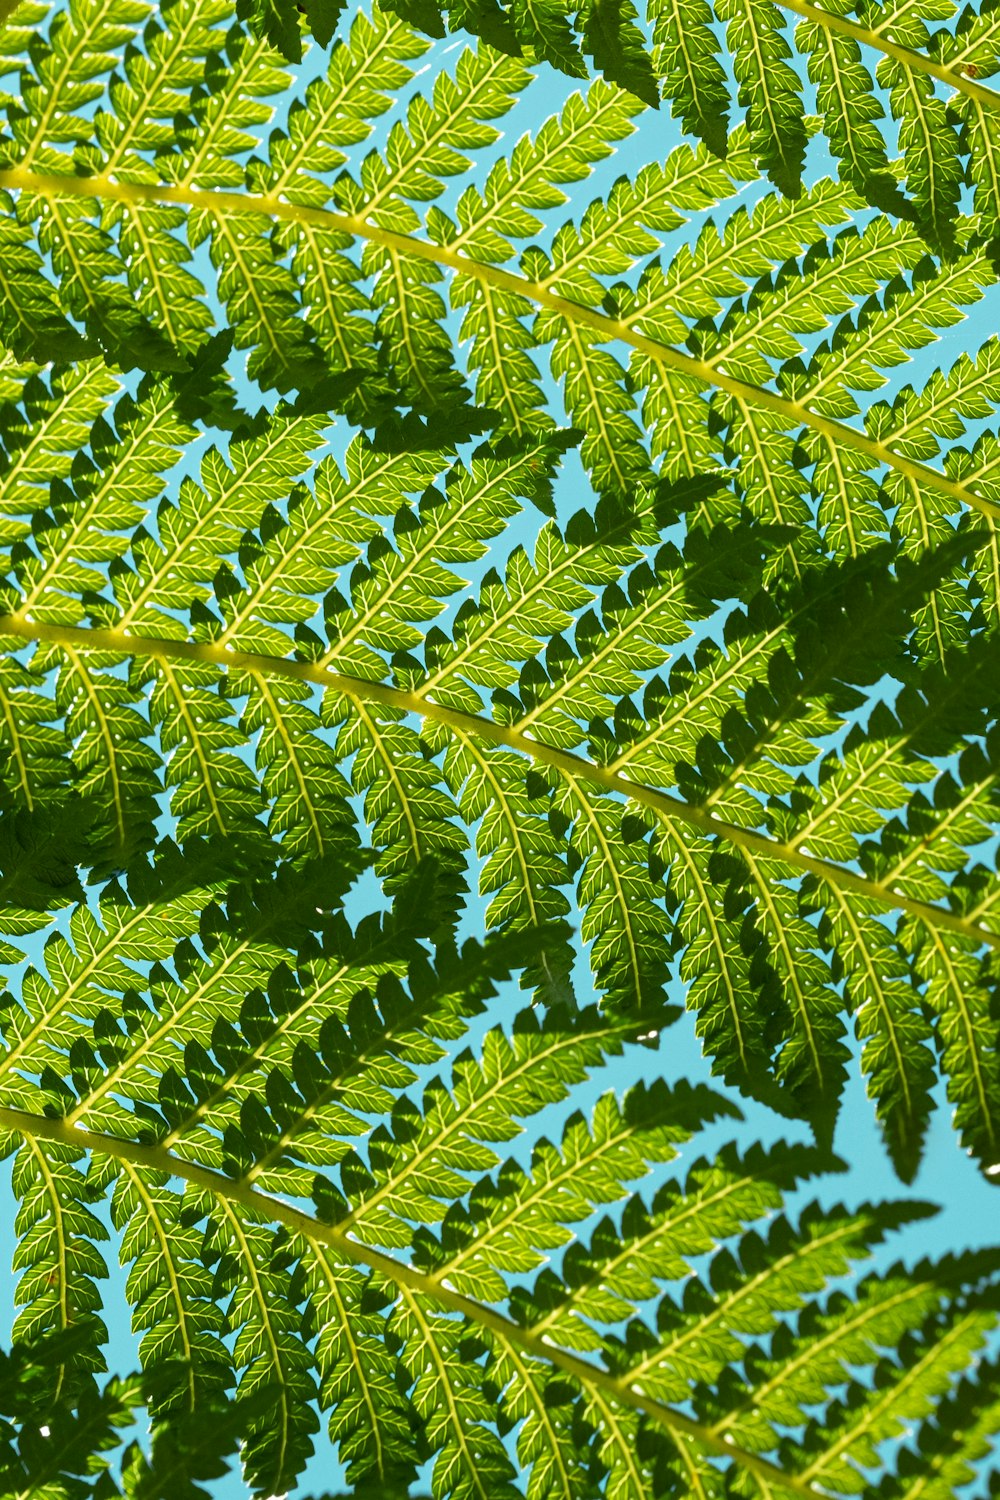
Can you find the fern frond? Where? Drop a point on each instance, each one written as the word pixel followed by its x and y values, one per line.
pixel 45 425
pixel 170 1290
pixel 371 1418
pixel 768 87
pixel 685 63
pixel 525 863
pixel 59 1261
pixel 375 506
pixel 80 970
pixel 913 319
pixel 433 1341
pixel 276 1374
pixel 75 54
pixel 123 478
pixel 409 811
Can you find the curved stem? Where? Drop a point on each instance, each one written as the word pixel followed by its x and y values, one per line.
pixel 794 413
pixel 674 809
pixel 918 61
pixel 155 1159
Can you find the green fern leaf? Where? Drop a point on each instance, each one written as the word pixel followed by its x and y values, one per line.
pixel 587 616
pixel 768 87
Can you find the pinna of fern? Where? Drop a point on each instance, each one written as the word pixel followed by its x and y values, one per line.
pixel 927 74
